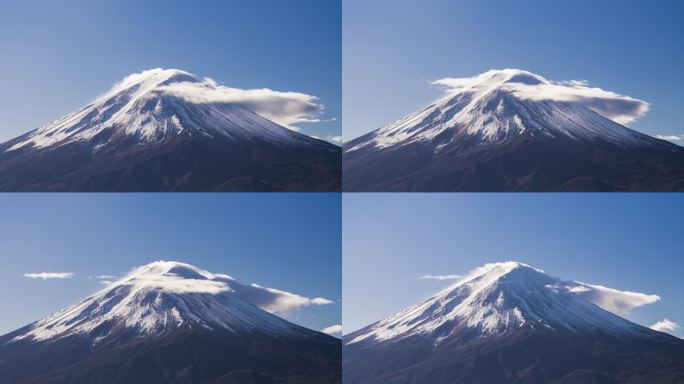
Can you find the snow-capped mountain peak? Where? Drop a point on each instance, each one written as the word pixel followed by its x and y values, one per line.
pixel 152 107
pixel 497 107
pixel 156 299
pixel 497 299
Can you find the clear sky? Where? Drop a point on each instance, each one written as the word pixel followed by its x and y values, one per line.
pixel 290 242
pixel 59 55
pixel 630 242
pixel 393 48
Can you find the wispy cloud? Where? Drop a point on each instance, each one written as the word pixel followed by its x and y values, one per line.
pixel 440 277
pixel 285 108
pixel 610 299
pixel 330 139
pixel 49 275
pixel 671 137
pixel 275 300
pixel 333 329
pixel 664 325
pixel 99 277
pixel 620 108
pixel 103 279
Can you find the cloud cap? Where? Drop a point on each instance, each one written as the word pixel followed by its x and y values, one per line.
pixel 182 278
pixel 286 108
pixel 529 86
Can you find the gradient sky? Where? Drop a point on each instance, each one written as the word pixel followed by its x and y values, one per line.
pixel 59 55
pixel 393 48
pixel 287 241
pixel 623 241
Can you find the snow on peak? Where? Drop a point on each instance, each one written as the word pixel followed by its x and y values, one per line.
pixel 162 296
pixel 496 299
pixel 176 277
pixel 150 79
pixel 500 105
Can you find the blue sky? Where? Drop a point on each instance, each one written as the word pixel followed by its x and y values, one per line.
pixel 290 242
pixel 629 242
pixel 393 48
pixel 58 56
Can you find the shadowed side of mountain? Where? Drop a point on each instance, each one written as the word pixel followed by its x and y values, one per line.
pixel 528 165
pixel 540 356
pixel 185 356
pixel 181 164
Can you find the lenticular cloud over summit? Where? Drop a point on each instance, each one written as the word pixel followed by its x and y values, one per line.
pixel 270 300
pixel 620 108
pixel 285 108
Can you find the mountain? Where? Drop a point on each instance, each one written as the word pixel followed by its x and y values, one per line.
pixel 168 322
pixel 141 136
pixel 487 137
pixel 510 323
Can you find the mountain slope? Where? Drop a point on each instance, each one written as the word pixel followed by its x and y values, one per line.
pixel 510 323
pixel 168 322
pixel 489 138
pixel 141 136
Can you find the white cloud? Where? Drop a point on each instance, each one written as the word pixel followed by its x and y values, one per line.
pixel 620 108
pixel 179 284
pixel 320 301
pixel 574 83
pixel 100 277
pixel 269 299
pixel 275 300
pixel 670 137
pixel 664 325
pixel 330 139
pixel 610 299
pixel 103 279
pixel 284 108
pixel 183 278
pixel 440 277
pixel 333 329
pixel 49 275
